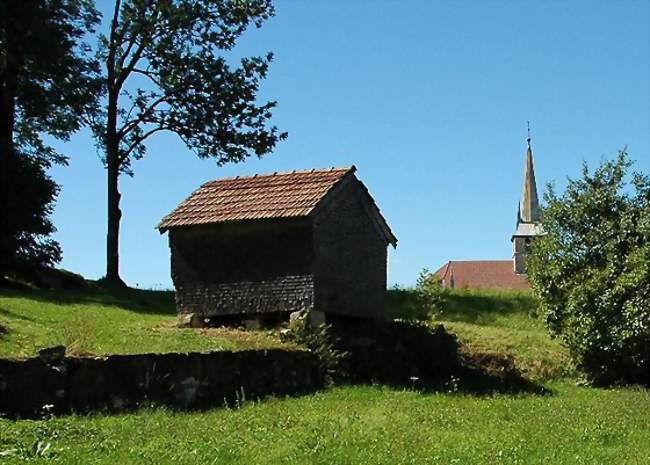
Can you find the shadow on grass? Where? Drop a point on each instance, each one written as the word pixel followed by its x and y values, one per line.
pixel 13 315
pixel 466 306
pixel 135 300
pixel 416 356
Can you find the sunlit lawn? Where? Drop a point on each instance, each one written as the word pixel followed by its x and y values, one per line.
pixel 344 425
pixel 95 322
pixel 357 425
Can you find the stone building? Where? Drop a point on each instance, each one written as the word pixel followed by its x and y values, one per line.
pixel 502 274
pixel 264 246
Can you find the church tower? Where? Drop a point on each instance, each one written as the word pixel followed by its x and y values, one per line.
pixel 528 216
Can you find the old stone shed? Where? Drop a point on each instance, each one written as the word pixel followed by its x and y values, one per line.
pixel 273 244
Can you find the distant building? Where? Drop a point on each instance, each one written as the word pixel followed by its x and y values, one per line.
pixel 502 274
pixel 485 274
pixel 529 222
pixel 267 245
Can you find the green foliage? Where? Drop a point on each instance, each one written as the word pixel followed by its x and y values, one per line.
pixel 421 303
pixel 370 425
pixel 431 294
pixel 173 48
pixel 46 70
pixel 166 71
pixel 47 86
pixel 26 229
pixel 591 271
pixel 319 340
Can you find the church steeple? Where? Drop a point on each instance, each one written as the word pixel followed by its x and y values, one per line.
pixel 529 205
pixel 528 215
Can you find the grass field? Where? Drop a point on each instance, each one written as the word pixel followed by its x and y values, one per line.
pixel 344 425
pixel 507 323
pixel 357 425
pixel 95 322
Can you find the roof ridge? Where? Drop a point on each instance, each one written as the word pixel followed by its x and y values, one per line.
pixel 345 169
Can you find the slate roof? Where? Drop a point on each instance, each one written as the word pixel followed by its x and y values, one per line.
pixel 485 274
pixel 277 195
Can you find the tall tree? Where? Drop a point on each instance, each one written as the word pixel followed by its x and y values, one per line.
pixel 591 271
pixel 47 84
pixel 164 72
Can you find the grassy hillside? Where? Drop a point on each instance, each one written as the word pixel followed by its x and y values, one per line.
pixel 496 322
pixel 95 321
pixel 345 425
pixel 506 323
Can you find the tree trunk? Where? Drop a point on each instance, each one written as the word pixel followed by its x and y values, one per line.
pixel 113 195
pixel 113 231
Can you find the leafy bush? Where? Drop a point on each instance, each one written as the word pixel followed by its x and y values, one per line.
pixel 424 302
pixel 430 294
pixel 591 271
pixel 320 340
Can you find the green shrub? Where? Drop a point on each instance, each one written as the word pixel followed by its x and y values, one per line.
pixel 319 340
pixel 591 271
pixel 431 295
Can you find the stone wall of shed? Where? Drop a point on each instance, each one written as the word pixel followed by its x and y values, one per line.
pixel 243 267
pixel 350 258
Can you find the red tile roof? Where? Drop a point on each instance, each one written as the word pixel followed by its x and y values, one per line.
pixel 278 195
pixel 486 274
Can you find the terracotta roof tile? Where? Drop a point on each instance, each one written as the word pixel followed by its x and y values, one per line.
pixel 486 274
pixel 278 195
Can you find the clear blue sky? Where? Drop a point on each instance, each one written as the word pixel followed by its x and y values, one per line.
pixel 428 99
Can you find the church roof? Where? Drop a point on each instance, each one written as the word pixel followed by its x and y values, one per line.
pixel 529 220
pixel 484 274
pixel 529 204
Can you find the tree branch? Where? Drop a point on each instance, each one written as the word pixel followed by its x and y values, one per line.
pixel 147 74
pixel 125 71
pixel 128 126
pixel 138 140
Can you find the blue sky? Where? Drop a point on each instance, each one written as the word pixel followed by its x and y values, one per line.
pixel 428 99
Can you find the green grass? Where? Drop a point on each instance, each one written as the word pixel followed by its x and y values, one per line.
pixel 96 322
pixel 506 322
pixel 358 425
pixel 344 425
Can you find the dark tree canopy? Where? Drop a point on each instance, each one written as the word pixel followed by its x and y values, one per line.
pixel 592 271
pixel 165 72
pixel 47 84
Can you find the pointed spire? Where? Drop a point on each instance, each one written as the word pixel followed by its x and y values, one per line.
pixel 529 205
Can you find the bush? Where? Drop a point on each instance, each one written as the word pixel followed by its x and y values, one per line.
pixel 431 295
pixel 25 225
pixel 424 302
pixel 319 340
pixel 591 271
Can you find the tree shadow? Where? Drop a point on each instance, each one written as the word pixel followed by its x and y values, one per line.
pixel 134 300
pixel 416 356
pixel 484 308
pixel 465 306
pixel 13 315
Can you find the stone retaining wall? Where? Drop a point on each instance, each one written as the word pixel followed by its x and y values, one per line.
pixel 33 387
